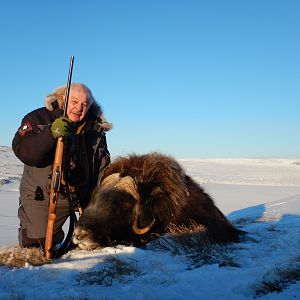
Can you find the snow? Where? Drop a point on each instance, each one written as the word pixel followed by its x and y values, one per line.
pixel 260 196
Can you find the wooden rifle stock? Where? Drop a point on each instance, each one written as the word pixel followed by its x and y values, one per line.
pixel 57 175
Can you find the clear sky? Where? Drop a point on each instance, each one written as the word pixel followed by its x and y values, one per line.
pixel 188 78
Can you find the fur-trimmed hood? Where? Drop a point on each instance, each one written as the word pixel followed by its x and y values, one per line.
pixel 52 102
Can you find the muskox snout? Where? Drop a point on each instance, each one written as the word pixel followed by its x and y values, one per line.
pixel 80 232
pixel 83 238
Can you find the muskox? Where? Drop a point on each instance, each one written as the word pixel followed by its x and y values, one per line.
pixel 140 196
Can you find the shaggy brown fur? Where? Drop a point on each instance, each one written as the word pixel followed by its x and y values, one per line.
pixel 166 193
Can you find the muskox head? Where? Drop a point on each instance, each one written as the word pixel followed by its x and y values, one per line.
pixel 112 214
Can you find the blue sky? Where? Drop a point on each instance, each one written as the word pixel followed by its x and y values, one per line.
pixel 188 78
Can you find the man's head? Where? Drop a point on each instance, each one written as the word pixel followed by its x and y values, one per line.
pixel 80 100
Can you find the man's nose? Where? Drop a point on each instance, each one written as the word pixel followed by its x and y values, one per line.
pixel 80 107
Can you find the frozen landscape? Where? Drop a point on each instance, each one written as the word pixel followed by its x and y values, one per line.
pixel 260 196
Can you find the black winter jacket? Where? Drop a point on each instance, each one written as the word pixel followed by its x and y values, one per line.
pixel 35 146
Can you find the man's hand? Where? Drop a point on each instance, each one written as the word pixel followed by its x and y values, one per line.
pixel 61 127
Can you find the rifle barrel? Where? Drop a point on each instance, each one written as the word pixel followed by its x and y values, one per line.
pixel 67 92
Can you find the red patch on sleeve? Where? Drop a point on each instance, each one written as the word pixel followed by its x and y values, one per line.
pixel 25 128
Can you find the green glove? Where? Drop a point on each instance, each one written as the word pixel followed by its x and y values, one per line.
pixel 61 127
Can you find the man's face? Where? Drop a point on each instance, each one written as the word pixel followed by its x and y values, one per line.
pixel 78 104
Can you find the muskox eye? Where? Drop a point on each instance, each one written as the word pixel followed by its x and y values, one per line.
pixel 126 205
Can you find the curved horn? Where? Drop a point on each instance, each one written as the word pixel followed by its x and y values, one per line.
pixel 111 180
pixel 135 227
pixel 143 230
pixel 128 184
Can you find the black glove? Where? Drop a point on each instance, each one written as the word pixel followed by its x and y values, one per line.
pixel 61 127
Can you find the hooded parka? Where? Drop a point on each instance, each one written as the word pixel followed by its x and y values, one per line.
pixel 87 158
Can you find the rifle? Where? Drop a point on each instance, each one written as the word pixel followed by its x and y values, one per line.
pixel 57 174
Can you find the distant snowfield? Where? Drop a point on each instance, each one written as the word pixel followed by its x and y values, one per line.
pixel 261 196
pixel 240 183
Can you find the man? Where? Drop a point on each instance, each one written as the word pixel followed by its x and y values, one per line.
pixel 87 156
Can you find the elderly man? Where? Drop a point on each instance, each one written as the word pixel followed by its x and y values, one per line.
pixel 87 157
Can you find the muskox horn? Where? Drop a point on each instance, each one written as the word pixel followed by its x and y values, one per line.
pixel 135 228
pixel 128 184
pixel 111 180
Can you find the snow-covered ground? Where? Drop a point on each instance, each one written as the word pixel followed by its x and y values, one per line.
pixel 260 196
